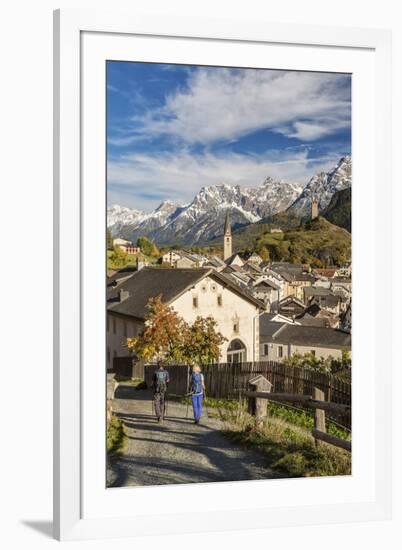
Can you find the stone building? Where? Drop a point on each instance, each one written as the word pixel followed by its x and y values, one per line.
pixel 191 293
pixel 281 340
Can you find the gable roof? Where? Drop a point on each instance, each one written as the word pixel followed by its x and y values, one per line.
pixel 305 335
pixel 231 258
pixel 151 282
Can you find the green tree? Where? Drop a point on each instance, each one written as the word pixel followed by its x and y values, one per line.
pixel 118 258
pixel 109 239
pixel 147 247
pixel 264 253
pixel 202 341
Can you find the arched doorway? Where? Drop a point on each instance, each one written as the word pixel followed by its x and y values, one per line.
pixel 236 352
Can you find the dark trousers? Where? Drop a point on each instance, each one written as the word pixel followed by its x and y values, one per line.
pixel 159 402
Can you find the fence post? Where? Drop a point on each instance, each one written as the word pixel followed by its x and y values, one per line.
pixel 257 406
pixel 319 416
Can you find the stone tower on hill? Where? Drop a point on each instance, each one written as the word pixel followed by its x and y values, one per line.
pixel 227 238
pixel 314 208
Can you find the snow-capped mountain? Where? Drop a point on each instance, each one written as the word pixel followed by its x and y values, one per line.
pixel 203 219
pixel 322 187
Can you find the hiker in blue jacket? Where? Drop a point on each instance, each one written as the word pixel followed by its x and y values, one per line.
pixel 197 391
pixel 160 384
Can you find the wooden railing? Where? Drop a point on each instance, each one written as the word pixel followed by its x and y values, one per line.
pixel 316 401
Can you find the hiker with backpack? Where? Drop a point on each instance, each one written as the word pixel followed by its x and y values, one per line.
pixel 197 392
pixel 160 384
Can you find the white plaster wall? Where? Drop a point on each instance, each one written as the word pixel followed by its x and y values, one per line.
pixel 233 307
pixel 289 350
pixel 115 340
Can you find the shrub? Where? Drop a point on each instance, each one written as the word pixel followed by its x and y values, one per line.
pixel 116 436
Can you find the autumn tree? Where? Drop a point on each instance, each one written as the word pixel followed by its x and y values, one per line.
pixel 202 341
pixel 168 337
pixel 162 336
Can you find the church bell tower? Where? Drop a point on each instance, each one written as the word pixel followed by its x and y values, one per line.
pixel 227 238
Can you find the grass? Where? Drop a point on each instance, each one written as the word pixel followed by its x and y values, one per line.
pixel 130 261
pixel 304 419
pixel 136 383
pixel 285 437
pixel 116 436
pixel 291 450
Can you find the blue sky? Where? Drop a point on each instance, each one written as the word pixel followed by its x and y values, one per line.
pixel 172 129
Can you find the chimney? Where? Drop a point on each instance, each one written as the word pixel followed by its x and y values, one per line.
pixel 123 295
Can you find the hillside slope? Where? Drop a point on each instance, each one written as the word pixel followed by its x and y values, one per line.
pixel 318 243
pixel 339 210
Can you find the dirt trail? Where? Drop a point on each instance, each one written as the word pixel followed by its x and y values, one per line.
pixel 177 451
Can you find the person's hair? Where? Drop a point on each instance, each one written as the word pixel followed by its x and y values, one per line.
pixel 196 368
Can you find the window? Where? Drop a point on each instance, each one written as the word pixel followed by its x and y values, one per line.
pixel 108 355
pixel 280 351
pixel 195 301
pixel 266 349
pixel 236 326
pixel 219 300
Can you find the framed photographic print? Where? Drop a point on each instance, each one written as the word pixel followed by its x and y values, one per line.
pixel 206 274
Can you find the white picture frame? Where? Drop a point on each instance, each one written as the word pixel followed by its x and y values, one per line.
pixel 83 507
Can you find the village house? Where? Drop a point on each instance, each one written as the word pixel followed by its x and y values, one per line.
pixel 316 316
pixel 346 319
pixel 291 306
pixel 215 262
pixel 328 273
pixel 277 318
pixel 171 257
pixel 238 275
pixel 296 276
pixel 191 293
pixel 266 291
pixel 324 298
pixel 126 246
pixel 254 259
pixel 281 340
pixel 185 261
pixel 234 259
pixel 120 242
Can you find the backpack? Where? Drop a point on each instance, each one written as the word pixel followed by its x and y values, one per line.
pixel 160 384
pixel 196 382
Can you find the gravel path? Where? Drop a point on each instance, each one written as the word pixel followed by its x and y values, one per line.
pixel 177 451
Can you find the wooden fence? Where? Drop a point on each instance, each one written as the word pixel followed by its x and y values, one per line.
pixel 226 380
pixel 229 381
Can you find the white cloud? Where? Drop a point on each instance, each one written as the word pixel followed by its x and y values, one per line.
pixel 143 180
pixel 226 104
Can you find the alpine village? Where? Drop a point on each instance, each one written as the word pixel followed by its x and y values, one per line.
pixel 254 286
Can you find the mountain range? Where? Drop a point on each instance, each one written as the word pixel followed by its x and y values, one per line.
pixel 202 220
